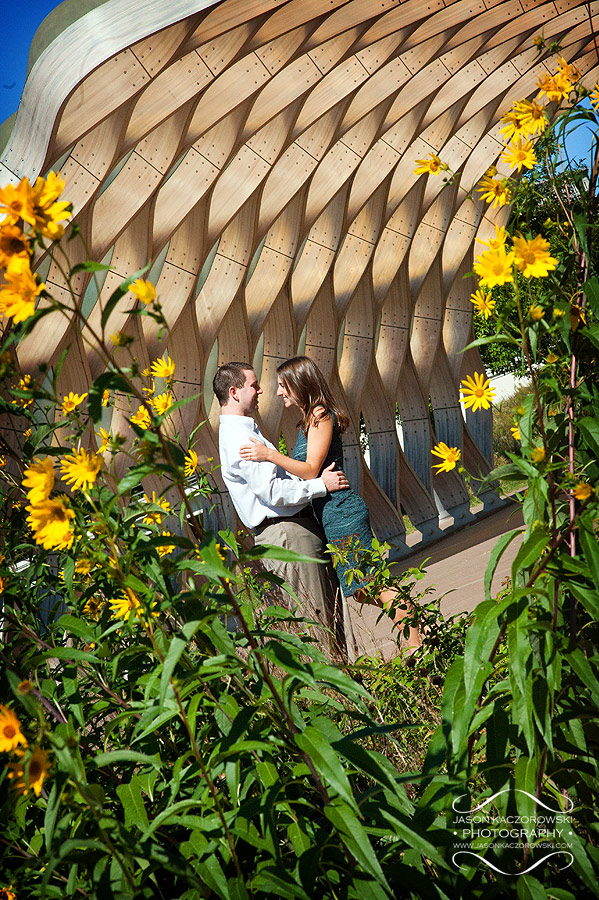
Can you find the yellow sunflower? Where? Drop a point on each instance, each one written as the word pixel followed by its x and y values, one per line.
pixel 155 518
pixel 48 212
pixel 26 383
pixel 449 456
pixel 532 257
pixel 163 367
pixel 94 607
pixel 39 479
pixel 13 242
pixel 165 549
pixel 123 607
pixel 120 339
pixel 20 291
pixel 10 730
pixel 50 522
pixel 537 454
pixel 498 241
pixel 142 418
pixel 536 313
pixel 519 154
pixel 144 291
pixel 577 316
pixel 534 120
pixel 495 191
pixel 29 775
pixel 430 166
pixel 513 125
pixel 494 267
pixel 477 392
pixel 556 87
pixel 80 469
pixel 17 202
pixel 104 440
pixel 71 401
pixel 191 463
pixel 582 491
pixel 162 403
pixel 483 304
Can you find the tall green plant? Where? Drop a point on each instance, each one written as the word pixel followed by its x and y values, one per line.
pixel 519 736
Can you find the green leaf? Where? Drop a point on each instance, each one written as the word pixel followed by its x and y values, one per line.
pixel 89 266
pixel 70 653
pixel 528 888
pixel 73 625
pixel 373 764
pixel 269 551
pixel 131 798
pixel 53 808
pixel 496 554
pixel 171 812
pixel 490 339
pixel 357 842
pixel 119 292
pixel 530 551
pixel 210 871
pixel 587 596
pixel 590 430
pixel 123 756
pixel 108 380
pixel 585 672
pixel 133 478
pixel 326 762
pixel 591 290
pixel 173 656
pixel 589 545
pixel 274 884
pixel 520 677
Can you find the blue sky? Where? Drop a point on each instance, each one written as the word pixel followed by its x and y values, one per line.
pixel 32 13
pixel 13 68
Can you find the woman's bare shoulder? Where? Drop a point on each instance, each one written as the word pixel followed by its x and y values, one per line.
pixel 320 415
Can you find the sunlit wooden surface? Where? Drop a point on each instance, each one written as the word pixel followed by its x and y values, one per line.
pixel 260 155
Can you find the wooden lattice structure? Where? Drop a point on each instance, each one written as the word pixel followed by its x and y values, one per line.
pixel 260 154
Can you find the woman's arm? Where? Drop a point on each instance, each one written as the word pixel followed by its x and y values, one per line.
pixel 319 440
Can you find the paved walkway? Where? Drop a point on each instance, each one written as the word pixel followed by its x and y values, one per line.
pixel 457 563
pixel 455 570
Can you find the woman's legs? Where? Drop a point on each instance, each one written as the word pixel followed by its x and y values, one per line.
pixel 386 600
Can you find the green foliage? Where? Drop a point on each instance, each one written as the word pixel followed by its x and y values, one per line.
pixel 505 417
pixel 550 200
pixel 180 735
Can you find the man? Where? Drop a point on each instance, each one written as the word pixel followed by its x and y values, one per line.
pixel 270 501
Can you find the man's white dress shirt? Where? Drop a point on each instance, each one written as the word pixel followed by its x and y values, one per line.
pixel 260 490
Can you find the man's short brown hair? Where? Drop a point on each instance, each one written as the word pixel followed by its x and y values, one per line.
pixel 231 374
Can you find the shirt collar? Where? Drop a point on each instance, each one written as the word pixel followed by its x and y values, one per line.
pixel 245 422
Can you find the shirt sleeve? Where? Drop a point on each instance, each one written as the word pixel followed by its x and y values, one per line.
pixel 274 491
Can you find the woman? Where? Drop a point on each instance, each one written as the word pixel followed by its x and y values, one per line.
pixel 344 514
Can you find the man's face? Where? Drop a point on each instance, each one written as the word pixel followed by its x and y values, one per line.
pixel 247 395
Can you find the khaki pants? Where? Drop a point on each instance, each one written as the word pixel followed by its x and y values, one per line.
pixel 315 585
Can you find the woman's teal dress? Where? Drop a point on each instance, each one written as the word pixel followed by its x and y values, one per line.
pixel 343 515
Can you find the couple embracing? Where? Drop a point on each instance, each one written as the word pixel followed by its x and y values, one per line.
pixel 296 501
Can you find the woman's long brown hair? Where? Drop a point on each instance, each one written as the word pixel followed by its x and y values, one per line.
pixel 307 386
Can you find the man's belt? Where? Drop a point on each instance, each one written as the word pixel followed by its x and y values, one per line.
pixel 273 520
